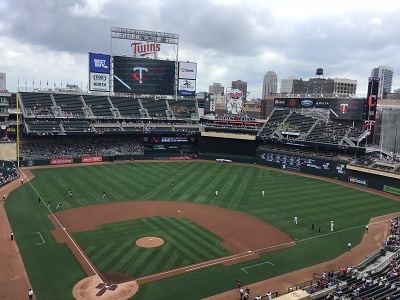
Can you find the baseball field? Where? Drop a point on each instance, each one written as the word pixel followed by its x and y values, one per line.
pixel 214 223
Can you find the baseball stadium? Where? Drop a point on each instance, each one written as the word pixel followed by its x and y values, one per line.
pixel 136 189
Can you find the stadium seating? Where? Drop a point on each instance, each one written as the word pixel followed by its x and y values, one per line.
pixel 274 120
pixel 37 104
pixel 8 172
pixel 99 105
pixel 78 126
pixel 43 126
pixel 128 107
pixel 71 104
pixel 155 109
pixel 183 109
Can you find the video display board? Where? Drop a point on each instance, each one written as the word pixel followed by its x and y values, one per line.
pixel 143 76
pixel 347 109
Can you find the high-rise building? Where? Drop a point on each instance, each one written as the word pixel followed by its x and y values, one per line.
pixel 287 85
pixel 240 85
pixel 216 89
pixel 385 74
pixel 316 87
pixel 270 84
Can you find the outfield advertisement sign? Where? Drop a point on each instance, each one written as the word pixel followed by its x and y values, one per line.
pixel 92 159
pixel 391 190
pixel 61 161
pixel 358 181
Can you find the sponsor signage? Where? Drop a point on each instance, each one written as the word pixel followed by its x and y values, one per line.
pixel 293 102
pixel 391 190
pixel 99 63
pixel 322 103
pixel 358 181
pixel 145 49
pixel 92 159
pixel 280 102
pixel 99 82
pixel 187 70
pixel 307 103
pixel 341 168
pixel 61 161
pixel 179 157
pixel 187 87
pixel 143 76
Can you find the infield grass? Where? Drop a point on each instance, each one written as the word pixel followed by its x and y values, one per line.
pixel 53 270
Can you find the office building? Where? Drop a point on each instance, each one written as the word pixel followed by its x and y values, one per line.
pixel 270 84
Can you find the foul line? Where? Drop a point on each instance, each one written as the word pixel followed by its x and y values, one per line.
pixel 65 230
pixel 267 262
pixel 43 242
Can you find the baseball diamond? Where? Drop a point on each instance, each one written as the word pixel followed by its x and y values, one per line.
pixel 239 234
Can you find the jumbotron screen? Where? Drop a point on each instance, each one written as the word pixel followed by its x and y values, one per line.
pixel 143 76
pixel 347 109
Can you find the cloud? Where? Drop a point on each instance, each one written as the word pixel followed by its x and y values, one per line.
pixel 229 40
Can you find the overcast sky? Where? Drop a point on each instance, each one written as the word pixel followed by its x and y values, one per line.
pixel 49 40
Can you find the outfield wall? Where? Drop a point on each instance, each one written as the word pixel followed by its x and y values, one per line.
pixel 322 167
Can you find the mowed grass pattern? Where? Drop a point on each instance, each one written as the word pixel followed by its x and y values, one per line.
pixel 112 247
pixel 239 187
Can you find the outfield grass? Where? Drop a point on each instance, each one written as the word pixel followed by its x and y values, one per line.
pixel 53 270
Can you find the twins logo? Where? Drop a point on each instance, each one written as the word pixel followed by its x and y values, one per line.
pixel 343 108
pixel 140 74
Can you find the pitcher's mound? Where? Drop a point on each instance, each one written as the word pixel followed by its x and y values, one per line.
pixel 91 287
pixel 149 242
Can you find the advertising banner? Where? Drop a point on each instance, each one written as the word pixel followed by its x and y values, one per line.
pixel 92 159
pixel 307 103
pixel 293 102
pixel 187 70
pixel 61 161
pixel 358 181
pixel 99 82
pixel 99 63
pixel 322 103
pixel 280 102
pixel 187 87
pixel 392 190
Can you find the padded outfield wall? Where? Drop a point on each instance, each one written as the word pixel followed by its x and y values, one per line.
pixel 328 168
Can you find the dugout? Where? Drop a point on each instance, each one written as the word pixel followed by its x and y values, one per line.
pixel 298 295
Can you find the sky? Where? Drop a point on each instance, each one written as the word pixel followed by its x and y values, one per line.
pixel 47 41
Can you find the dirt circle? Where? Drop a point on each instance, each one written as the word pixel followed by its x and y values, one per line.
pixel 86 289
pixel 149 242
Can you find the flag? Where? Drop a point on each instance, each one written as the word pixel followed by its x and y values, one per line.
pixel 26 81
pixel 40 83
pixel 33 82
pixel 54 83
pixel 47 83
